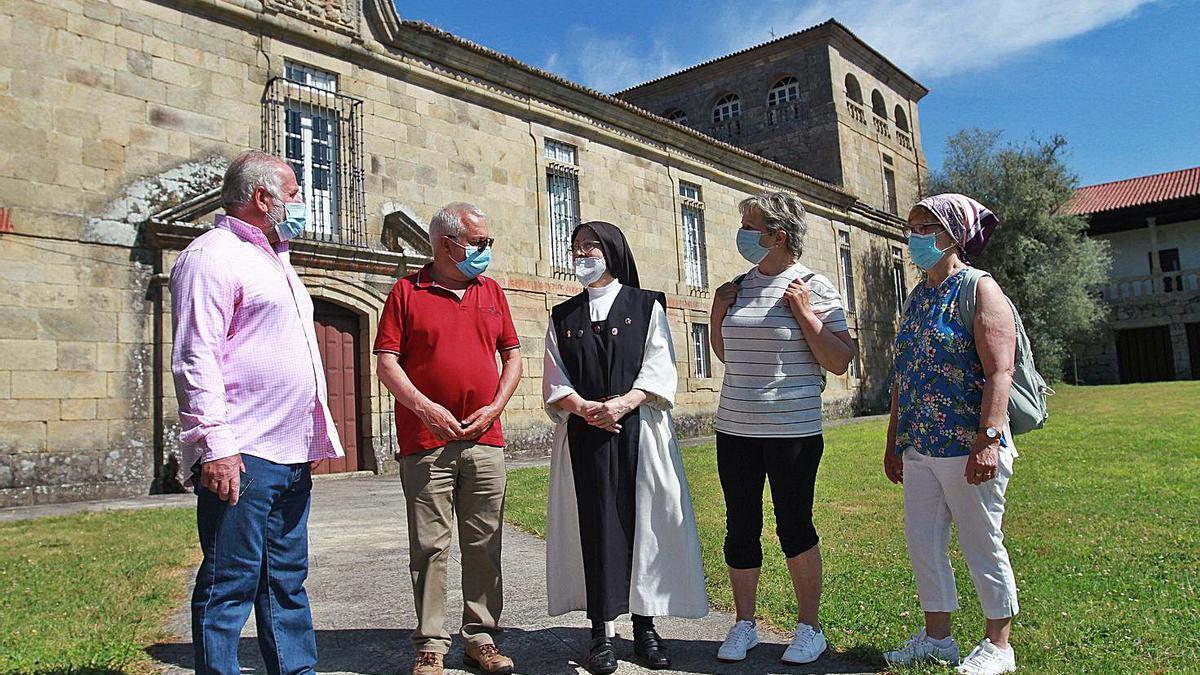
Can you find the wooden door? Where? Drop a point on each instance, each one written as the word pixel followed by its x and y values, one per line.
pixel 1145 355
pixel 337 339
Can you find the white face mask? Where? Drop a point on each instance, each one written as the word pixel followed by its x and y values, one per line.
pixel 589 270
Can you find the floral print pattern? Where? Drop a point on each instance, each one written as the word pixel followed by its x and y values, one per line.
pixel 938 374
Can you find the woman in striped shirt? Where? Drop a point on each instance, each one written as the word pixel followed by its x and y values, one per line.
pixel 780 325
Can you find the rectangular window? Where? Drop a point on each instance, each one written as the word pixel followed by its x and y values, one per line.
pixel 847 260
pixel 695 255
pixel 319 133
pixel 853 370
pixel 562 188
pixel 889 191
pixel 701 365
pixel 898 280
pixel 1168 261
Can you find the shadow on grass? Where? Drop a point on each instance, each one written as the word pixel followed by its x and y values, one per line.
pixel 545 651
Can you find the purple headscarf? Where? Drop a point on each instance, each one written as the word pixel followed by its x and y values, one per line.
pixel 968 221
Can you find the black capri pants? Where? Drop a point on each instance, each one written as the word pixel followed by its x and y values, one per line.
pixel 743 464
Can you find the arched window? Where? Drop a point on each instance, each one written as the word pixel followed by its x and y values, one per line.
pixel 729 107
pixel 676 115
pixel 877 104
pixel 901 119
pixel 853 91
pixel 784 91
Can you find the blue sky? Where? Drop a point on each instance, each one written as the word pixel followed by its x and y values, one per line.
pixel 1120 79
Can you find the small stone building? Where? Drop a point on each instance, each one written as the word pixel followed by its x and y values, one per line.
pixel 121 115
pixel 1152 331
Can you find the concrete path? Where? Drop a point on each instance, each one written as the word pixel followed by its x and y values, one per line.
pixel 362 603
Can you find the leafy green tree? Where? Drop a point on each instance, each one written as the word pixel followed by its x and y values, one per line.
pixel 1041 258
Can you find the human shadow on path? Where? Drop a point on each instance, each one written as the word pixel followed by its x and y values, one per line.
pixel 544 651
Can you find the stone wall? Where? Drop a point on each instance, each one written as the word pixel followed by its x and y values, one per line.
pixel 1098 359
pixel 117 111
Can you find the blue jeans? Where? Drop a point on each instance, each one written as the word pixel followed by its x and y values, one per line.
pixel 255 555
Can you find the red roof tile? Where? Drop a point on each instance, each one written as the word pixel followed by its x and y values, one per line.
pixel 1160 187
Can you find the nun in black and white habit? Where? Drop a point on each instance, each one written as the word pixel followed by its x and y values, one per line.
pixel 620 514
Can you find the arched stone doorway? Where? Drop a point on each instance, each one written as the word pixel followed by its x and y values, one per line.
pixel 337 331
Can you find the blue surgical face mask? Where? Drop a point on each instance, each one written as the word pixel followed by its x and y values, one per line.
pixel 748 246
pixel 476 262
pixel 293 222
pixel 924 251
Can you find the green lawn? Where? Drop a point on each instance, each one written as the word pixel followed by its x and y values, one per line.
pixel 1102 527
pixel 86 593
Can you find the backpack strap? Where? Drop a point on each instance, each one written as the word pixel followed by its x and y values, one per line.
pixel 966 297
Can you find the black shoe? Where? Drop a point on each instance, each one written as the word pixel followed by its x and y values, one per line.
pixel 648 645
pixel 602 659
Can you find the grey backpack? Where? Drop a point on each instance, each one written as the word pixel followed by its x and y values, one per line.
pixel 1027 400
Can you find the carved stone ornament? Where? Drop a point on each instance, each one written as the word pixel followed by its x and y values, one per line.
pixel 340 15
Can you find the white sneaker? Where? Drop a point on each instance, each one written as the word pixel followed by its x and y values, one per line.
pixel 920 648
pixel 742 637
pixel 988 659
pixel 806 647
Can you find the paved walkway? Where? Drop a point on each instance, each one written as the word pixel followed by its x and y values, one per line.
pixel 362 603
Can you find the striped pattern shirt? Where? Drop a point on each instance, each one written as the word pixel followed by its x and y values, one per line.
pixel 772 385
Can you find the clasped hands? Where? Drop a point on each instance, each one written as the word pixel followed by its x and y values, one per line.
pixel 605 415
pixel 444 427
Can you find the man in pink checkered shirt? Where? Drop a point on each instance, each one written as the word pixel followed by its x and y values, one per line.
pixel 252 406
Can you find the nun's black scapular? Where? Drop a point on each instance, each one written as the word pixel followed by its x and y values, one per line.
pixel 602 360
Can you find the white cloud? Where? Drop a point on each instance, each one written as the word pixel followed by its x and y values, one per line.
pixel 610 64
pixel 934 38
pixel 925 38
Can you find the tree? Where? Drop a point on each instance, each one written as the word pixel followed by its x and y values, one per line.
pixel 1041 258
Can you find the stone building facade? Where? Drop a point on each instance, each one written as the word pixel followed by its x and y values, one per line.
pixel 1152 331
pixel 121 115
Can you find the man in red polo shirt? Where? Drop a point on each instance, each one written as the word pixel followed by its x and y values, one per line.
pixel 439 334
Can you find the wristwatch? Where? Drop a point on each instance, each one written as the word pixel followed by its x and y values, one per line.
pixel 992 433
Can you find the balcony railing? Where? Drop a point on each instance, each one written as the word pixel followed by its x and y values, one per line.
pixel 783 113
pixel 904 140
pixel 1123 289
pixel 726 129
pixel 856 111
pixel 882 127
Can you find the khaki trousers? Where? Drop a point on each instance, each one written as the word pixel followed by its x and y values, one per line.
pixel 462 481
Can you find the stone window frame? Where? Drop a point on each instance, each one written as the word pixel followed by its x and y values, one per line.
pixel 785 90
pixel 899 279
pixel 559 159
pixel 845 262
pixel 701 348
pixel 694 244
pixel 676 115
pixel 727 108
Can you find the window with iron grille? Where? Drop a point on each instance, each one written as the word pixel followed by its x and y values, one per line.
pixel 701 365
pixel 847 261
pixel 898 280
pixel 562 187
pixel 853 369
pixel 691 218
pixel 319 133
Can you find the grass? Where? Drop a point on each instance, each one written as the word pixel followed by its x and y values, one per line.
pixel 1102 527
pixel 86 593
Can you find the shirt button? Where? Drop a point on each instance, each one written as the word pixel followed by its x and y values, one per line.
pixel 628 321
pixel 614 331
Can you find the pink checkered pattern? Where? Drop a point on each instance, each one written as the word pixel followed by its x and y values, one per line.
pixel 248 375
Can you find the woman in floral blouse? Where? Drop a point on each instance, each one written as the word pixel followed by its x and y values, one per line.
pixel 948 440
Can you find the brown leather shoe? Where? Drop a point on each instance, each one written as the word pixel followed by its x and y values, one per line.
pixel 488 659
pixel 427 663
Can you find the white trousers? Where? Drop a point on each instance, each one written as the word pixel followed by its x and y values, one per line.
pixel 935 493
